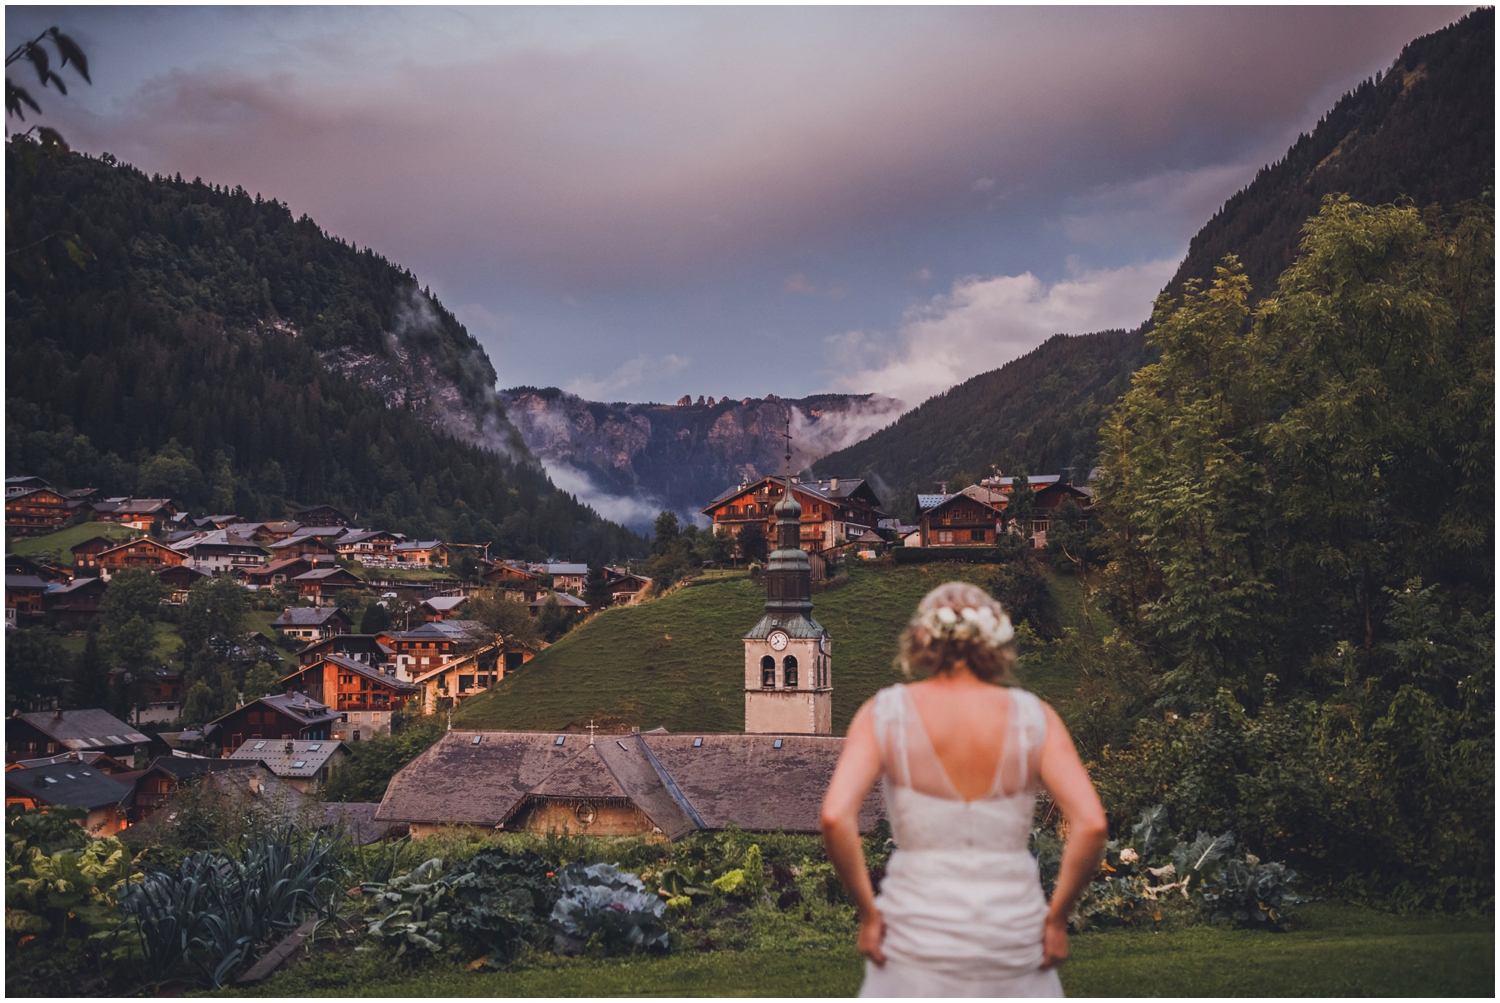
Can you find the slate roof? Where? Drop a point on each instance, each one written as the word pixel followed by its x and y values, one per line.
pixel 357 820
pixel 567 569
pixel 361 669
pixel 320 574
pixel 25 582
pixel 822 488
pixel 449 630
pixel 418 545
pixel 726 779
pixel 795 625
pixel 300 707
pixel 217 538
pixel 81 730
pixel 312 756
pixel 75 785
pixel 445 603
pixel 564 600
pixel 307 616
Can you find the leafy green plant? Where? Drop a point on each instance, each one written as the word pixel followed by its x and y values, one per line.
pixel 419 904
pixel 602 907
pixel 1249 893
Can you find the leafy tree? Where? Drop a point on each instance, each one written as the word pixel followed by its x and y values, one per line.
pixel 1023 593
pixel 213 615
pixel 596 588
pixel 375 619
pixel 37 668
pixel 554 621
pixel 261 681
pixel 506 617
pixel 132 593
pixel 171 473
pixel 751 540
pixel 132 644
pixel 665 533
pixel 364 775
pixel 717 546
pixel 35 52
pixel 91 677
pixel 200 704
pixel 1020 507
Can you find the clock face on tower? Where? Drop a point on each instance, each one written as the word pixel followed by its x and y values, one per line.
pixel 778 640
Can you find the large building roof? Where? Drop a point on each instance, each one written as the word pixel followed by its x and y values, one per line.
pixel 307 616
pixel 681 782
pixel 82 730
pixel 288 757
pixel 74 785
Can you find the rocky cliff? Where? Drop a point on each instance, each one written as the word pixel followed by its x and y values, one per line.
pixel 631 461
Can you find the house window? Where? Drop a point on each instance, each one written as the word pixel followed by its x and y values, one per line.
pixel 255 717
pixel 789 671
pixel 465 682
pixel 768 672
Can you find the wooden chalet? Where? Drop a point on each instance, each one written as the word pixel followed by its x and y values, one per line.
pixel 138 553
pixel 372 649
pixel 371 543
pixel 325 583
pixel 35 511
pixel 517 583
pixel 70 783
pixel 424 553
pixel 23 598
pixel 958 520
pixel 568 577
pixel 273 574
pixel 223 521
pixel 363 695
pixel 303 623
pixel 75 605
pixel 322 515
pixel 831 509
pixel 149 515
pixel 435 608
pixel 221 551
pixel 153 787
pixel 256 532
pixel 424 648
pixel 290 715
pixel 86 554
pixel 25 482
pixel 46 569
pixel 302 546
pixel 626 587
pixel 48 733
pixel 179 581
pixel 570 603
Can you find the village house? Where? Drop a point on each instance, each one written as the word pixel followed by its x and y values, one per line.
pixel 568 577
pixel 35 511
pixel 46 569
pixel 75 605
pixel 435 608
pixel 1045 503
pixel 138 553
pixel 152 788
pixel 97 760
pixel 220 551
pixel 375 543
pixel 468 673
pixel 86 554
pixel 422 553
pixel 306 766
pixel 517 583
pixel 363 695
pixel 371 649
pixel 324 583
pixel 179 581
pixel 626 587
pixel 290 715
pixel 70 784
pixel 655 784
pixel 312 623
pixel 278 571
pixel 149 515
pixel 424 648
pixel 569 603
pixel 957 520
pixel 47 733
pixel 256 532
pixel 301 545
pixel 322 515
pixel 161 694
pixel 831 509
pixel 211 522
pixel 23 599
pixel 25 482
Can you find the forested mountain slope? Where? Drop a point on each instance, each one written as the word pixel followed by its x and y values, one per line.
pixel 175 338
pixel 1425 130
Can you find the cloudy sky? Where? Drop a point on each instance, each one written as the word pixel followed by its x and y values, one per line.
pixel 635 204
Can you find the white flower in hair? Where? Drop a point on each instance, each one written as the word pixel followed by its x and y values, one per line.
pixel 970 623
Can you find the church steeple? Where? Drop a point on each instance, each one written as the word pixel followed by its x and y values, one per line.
pixel 788 654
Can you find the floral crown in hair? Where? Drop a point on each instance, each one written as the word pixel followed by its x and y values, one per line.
pixel 970 623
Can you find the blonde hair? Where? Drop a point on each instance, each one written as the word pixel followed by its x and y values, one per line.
pixel 958 622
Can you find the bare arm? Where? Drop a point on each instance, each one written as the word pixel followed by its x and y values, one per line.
pixel 857 770
pixel 1068 782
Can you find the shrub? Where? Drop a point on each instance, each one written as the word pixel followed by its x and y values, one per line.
pixel 604 908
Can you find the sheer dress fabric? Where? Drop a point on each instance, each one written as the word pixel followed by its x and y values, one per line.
pixel 962 899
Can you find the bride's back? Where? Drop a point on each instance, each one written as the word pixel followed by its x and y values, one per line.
pixel 967 728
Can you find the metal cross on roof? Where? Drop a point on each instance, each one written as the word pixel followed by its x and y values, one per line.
pixel 787 435
pixel 591 732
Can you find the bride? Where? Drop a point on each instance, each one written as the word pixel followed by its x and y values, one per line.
pixel 961 910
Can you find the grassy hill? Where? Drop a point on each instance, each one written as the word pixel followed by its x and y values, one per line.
pixel 678 662
pixel 60 545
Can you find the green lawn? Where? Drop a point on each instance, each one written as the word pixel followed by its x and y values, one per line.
pixel 168 643
pixel 1338 951
pixel 260 620
pixel 678 661
pixel 60 545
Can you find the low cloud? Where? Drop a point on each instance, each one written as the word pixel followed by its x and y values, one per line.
pixel 981 324
pixel 815 436
pixel 634 511
pixel 634 373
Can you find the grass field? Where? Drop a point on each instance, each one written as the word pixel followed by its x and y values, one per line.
pixel 678 661
pixel 168 643
pixel 60 545
pixel 260 620
pixel 1338 950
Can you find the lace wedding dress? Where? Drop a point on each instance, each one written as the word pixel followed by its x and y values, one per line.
pixel 962 899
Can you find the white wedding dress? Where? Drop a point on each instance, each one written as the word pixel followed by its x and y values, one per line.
pixel 962 899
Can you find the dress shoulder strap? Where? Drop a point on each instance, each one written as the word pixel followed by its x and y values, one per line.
pixel 1030 720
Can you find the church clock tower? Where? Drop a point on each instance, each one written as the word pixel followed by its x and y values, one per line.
pixel 788 654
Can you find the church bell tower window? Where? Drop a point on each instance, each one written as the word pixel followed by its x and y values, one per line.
pixel 789 672
pixel 768 672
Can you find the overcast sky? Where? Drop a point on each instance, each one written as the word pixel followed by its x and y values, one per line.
pixel 635 204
